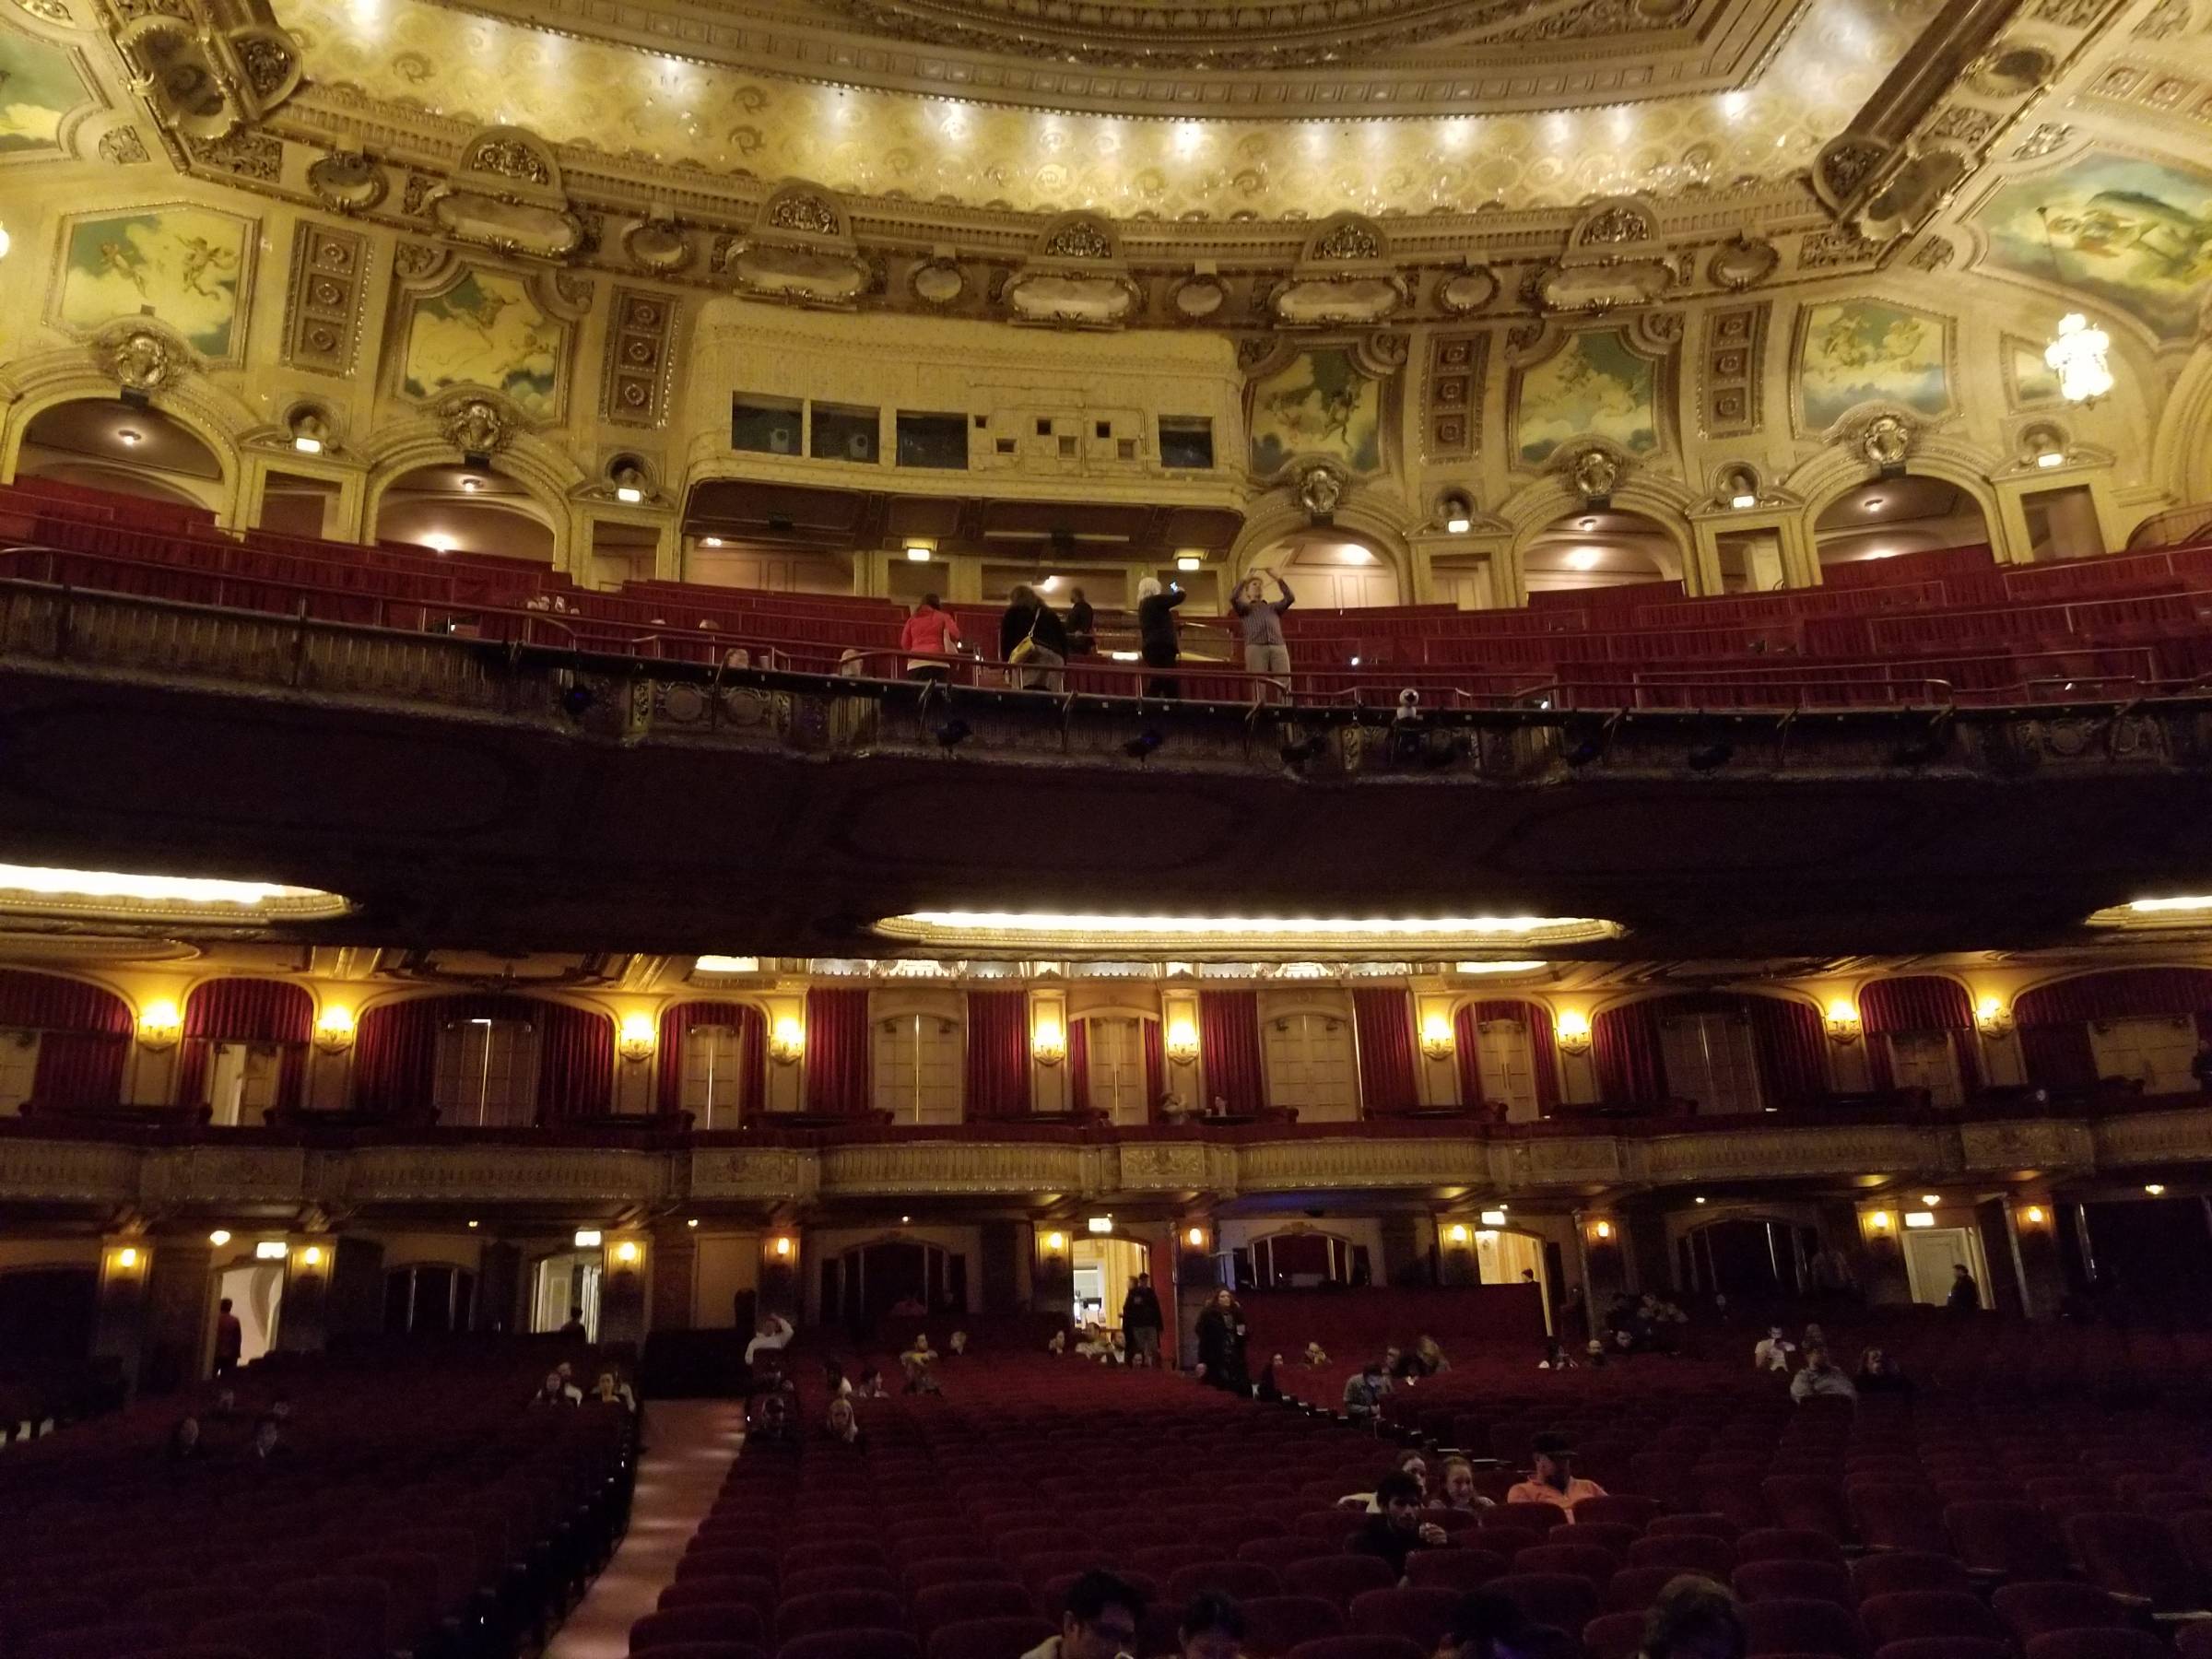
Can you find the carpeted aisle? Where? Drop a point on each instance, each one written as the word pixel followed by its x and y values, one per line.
pixel 690 1444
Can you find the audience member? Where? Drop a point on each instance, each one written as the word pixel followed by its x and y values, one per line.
pixel 916 1363
pixel 1101 1345
pixel 1555 1356
pixel 269 1448
pixel 956 1345
pixel 1694 1618
pixel 773 1335
pixel 1594 1353
pixel 1266 650
pixel 1141 1321
pixel 1478 1622
pixel 844 1424
pixel 1396 1530
pixel 1315 1354
pixel 184 1442
pixel 574 1330
pixel 1212 1627
pixel 1424 1359
pixel 1459 1491
pixel 1102 1619
pixel 556 1391
pixel 1553 1479
pixel 1032 639
pixel 1878 1373
pixel 611 1390
pixel 1772 1352
pixel 1966 1296
pixel 1365 1391
pixel 1082 625
pixel 1267 1389
pixel 1221 1335
pixel 1820 1378
pixel 1408 1462
pixel 229 1338
pixel 834 1382
pixel 871 1385
pixel 769 1419
pixel 1158 642
pixel 1056 1344
pixel 929 638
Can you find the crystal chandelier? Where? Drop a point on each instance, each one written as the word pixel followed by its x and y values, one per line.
pixel 2077 357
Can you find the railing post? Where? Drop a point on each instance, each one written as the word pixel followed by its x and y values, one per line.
pixel 299 643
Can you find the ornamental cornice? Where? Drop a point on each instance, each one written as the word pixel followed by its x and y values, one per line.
pixel 1723 1154
pixel 78 1173
pixel 2151 1137
pixel 418 1174
pixel 2044 1144
pixel 1356 1162
pixel 952 1168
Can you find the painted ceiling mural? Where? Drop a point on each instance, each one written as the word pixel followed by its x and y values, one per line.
pixel 485 330
pixel 1595 386
pixel 2132 235
pixel 182 265
pixel 1318 404
pixel 39 86
pixel 1858 351
pixel 573 91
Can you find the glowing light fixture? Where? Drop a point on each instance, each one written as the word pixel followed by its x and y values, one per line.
pixel 1571 1027
pixel 127 1257
pixel 1054 934
pixel 1931 1199
pixel 5 242
pixel 1099 1224
pixel 1696 1200
pixel 130 437
pixel 271 1250
pixel 2033 1215
pixel 787 1042
pixel 1048 1043
pixel 1603 1229
pixel 1585 559
pixel 1493 1218
pixel 1187 563
pixel 1457 511
pixel 219 1237
pixel 1919 1218
pixel 589 1238
pixel 470 486
pixel 1743 503
pixel 1195 1238
pixel 2050 458
pixel 1496 966
pixel 692 1221
pixel 311 1255
pixel 637 1039
pixel 783 1246
pixel 1457 1232
pixel 1055 1241
pixel 2184 910
pixel 1183 1042
pixel 629 495
pixel 1436 1037
pixel 439 543
pixel 726 964
pixel 333 1029
pixel 709 541
pixel 1843 1020
pixel 308 446
pixel 472 1226
pixel 627 1253
pixel 2077 353
pixel 121 895
pixel 1880 1221
pixel 2155 1189
pixel 919 553
pixel 161 1023
pixel 1992 1016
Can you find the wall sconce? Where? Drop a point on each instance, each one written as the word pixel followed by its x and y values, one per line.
pixel 1048 1043
pixel 1182 1042
pixel 127 1259
pixel 1842 1020
pixel 636 1042
pixel 1932 1200
pixel 1991 1017
pixel 589 1238
pixel 627 1253
pixel 1055 1242
pixel 782 1247
pixel 787 1042
pixel 1436 1037
pixel 1878 1221
pixel 1601 1230
pixel 1571 1029
pixel 311 1256
pixel 160 1024
pixel 2033 1215
pixel 1494 1218
pixel 1457 1233
pixel 1195 1238
pixel 334 1029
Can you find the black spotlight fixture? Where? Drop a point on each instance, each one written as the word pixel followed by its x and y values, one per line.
pixel 952 733
pixel 1143 746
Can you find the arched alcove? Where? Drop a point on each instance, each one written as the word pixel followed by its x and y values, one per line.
pixel 1599 548
pixel 1330 567
pixel 105 444
pixel 456 509
pixel 1884 517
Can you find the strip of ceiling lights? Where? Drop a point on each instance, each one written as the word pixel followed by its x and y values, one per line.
pixel 1054 934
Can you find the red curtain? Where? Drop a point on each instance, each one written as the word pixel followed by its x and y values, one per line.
pixel 1078 1064
pixel 1383 1020
pixel 1156 1069
pixel 997 1072
pixel 1229 1041
pixel 1790 1039
pixel 246 1010
pixel 396 1053
pixel 1923 1002
pixel 1542 1048
pixel 676 1025
pixel 83 1038
pixel 2054 1020
pixel 837 1052
pixel 1624 1045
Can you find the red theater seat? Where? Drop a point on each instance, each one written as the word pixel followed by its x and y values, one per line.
pixel 1793 1580
pixel 286 1634
pixel 1788 1544
pixel 1562 1599
pixel 723 1621
pixel 954 1604
pixel 2096 1644
pixel 1341 1577
pixel 2032 1611
pixel 1420 1616
pixel 755 1592
pixel 1912 1613
pixel 1908 1570
pixel 1461 1570
pixel 1237 1579
pixel 995 1638
pixel 838 1610
pixel 1614 1636
pixel 886 1643
pixel 1358 1647
pixel 1276 1624
pixel 1801 1626
pixel 1684 1552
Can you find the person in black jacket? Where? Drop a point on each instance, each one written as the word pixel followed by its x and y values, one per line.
pixel 1033 629
pixel 1141 1321
pixel 1082 625
pixel 1221 1345
pixel 1156 635
pixel 1396 1529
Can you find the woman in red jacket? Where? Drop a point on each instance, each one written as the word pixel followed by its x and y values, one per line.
pixel 931 631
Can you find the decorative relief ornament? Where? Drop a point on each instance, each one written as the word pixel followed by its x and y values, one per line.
pixel 414 261
pixel 1743 261
pixel 508 155
pixel 1613 224
pixel 1079 239
pixel 507 195
pixel 1198 296
pixel 1348 239
pixel 810 214
pixel 1461 293
pixel 1319 490
pixel 1594 474
pixel 657 243
pixel 346 181
pixel 1845 166
pixel 474 425
pixel 46 11
pixel 139 358
pixel 939 281
pixel 123 147
pixel 1886 440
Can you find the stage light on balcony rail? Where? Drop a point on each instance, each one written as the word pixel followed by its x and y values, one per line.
pixel 1919 1218
pixel 120 895
pixel 1437 1040
pixel 1059 934
pixel 636 1042
pixel 271 1250
pixel 161 1023
pixel 589 1238
pixel 726 964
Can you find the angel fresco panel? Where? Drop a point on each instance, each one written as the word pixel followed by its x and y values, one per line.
pixel 2133 234
pixel 1318 404
pixel 485 331
pixel 1858 351
pixel 39 86
pixel 180 266
pixel 1595 386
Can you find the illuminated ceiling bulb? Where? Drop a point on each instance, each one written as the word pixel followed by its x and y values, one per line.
pixel 2155 1189
pixel 693 1221
pixel 588 1238
pixel 919 553
pixel 129 436
pixel 4 242
pixel 219 1237
pixel 2051 458
pixel 2077 355
pixel 1742 502
pixel 709 541
pixel 1187 563
pixel 470 486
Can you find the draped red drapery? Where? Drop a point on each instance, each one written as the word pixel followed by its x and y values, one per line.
pixel 2054 1020
pixel 1542 1048
pixel 246 1010
pixel 676 1026
pixel 997 1070
pixel 1229 1042
pixel 1156 1069
pixel 1078 1064
pixel 1383 1020
pixel 83 1038
pixel 837 1051
pixel 1788 1040
pixel 1916 1003
pixel 1624 1046
pixel 396 1053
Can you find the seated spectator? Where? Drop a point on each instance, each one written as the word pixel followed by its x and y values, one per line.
pixel 1774 1351
pixel 268 1448
pixel 1694 1618
pixel 1098 1345
pixel 1267 1388
pixel 871 1385
pixel 842 1424
pixel 556 1391
pixel 1820 1378
pixel 1102 1622
pixel 1878 1373
pixel 957 1343
pixel 1553 1480
pixel 1555 1356
pixel 225 1409
pixel 611 1390
pixel 1397 1529
pixel 915 1362
pixel 1481 1620
pixel 1315 1354
pixel 1057 1343
pixel 1814 1337
pixel 773 1335
pixel 573 1331
pixel 1594 1353
pixel 1408 1462
pixel 834 1380
pixel 1212 1627
pixel 184 1442
pixel 1459 1491
pixel 1432 1356
pixel 768 1421
pixel 1364 1393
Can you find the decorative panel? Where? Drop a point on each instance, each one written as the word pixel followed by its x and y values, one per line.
pixel 636 386
pixel 1736 340
pixel 1453 417
pixel 322 300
